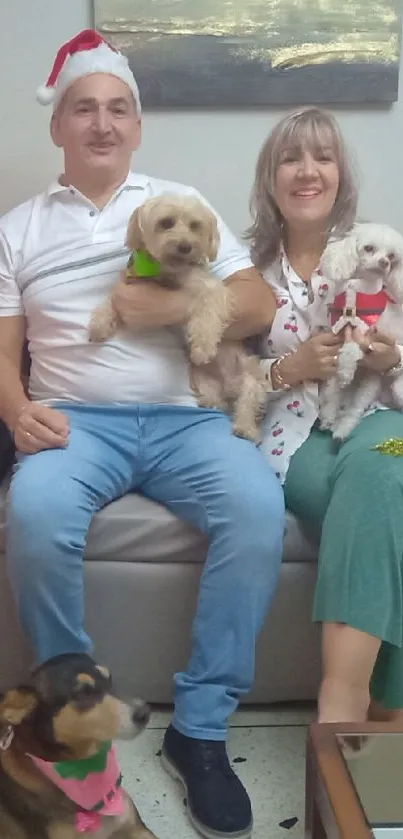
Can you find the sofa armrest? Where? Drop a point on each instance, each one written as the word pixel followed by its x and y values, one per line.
pixel 7 450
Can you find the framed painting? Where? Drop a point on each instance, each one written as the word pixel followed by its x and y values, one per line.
pixel 251 53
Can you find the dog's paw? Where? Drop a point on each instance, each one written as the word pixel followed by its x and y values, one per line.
pixel 345 378
pixel 99 333
pixel 250 432
pixel 327 417
pixel 103 325
pixel 200 355
pixel 209 401
pixel 341 430
pixel 349 356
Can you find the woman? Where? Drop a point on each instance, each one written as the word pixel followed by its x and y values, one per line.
pixel 352 493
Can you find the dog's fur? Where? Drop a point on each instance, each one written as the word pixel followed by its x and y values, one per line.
pixel 65 712
pixel 368 259
pixel 181 233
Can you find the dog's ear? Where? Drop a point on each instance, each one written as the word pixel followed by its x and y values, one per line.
pixel 340 258
pixel 213 241
pixel 17 705
pixel 134 235
pixel 394 283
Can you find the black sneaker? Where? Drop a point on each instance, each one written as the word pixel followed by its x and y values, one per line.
pixel 218 805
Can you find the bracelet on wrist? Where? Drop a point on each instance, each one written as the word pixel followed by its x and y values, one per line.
pixel 277 379
pixel 398 367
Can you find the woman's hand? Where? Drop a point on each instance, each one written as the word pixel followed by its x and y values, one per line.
pixel 315 360
pixel 144 304
pixel 381 353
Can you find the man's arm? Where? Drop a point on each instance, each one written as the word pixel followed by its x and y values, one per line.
pixel 12 394
pixel 255 302
pixel 254 299
pixel 34 426
pixel 150 306
pixel 12 330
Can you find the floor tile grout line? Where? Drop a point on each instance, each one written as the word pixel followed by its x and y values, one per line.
pixel 235 727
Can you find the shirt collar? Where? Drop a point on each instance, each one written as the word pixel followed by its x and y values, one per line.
pixel 288 270
pixel 133 181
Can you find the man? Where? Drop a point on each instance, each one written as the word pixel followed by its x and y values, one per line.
pixel 101 420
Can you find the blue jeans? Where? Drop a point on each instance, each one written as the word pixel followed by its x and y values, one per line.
pixel 188 459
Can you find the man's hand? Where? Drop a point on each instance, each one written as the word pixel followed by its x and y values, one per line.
pixel 380 351
pixel 144 304
pixel 39 427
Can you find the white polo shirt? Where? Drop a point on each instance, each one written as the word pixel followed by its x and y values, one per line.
pixel 59 258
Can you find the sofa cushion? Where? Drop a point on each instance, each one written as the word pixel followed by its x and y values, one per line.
pixel 7 450
pixel 136 529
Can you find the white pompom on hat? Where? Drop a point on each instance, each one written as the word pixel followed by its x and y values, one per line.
pixel 86 53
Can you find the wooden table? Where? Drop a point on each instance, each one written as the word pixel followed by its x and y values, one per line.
pixel 333 809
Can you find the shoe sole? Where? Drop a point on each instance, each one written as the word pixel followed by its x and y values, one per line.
pixel 204 831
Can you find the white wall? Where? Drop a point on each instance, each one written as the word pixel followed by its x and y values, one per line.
pixel 215 152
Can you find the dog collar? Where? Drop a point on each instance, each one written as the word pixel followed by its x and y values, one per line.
pixel 142 264
pixel 7 738
pixel 93 784
pixel 79 769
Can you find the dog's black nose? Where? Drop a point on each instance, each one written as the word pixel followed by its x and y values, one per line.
pixel 184 247
pixel 141 713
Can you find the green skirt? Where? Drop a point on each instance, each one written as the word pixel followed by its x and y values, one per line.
pixel 353 497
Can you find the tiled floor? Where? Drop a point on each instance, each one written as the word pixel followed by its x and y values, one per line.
pixel 271 744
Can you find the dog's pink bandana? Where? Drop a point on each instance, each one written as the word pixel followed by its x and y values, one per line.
pixel 93 784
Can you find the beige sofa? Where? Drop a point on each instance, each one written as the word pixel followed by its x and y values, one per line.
pixel 142 568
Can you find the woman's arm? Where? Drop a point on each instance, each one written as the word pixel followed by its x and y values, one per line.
pixel 314 360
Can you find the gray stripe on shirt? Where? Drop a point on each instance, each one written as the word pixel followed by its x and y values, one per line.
pixel 72 266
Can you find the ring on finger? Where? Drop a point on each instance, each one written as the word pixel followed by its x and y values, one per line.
pixel 28 434
pixel 370 348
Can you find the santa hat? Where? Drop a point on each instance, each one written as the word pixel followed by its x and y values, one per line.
pixel 86 53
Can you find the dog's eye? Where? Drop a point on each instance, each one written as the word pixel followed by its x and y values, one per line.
pixel 167 223
pixel 391 256
pixel 195 226
pixel 369 248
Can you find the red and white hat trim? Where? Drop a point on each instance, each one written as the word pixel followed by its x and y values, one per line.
pixel 83 55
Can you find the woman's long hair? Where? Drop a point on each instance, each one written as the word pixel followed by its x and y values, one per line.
pixel 310 128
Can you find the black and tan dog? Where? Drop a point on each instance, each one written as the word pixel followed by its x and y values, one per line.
pixel 59 778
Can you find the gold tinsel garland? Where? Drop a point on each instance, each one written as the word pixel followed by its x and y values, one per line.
pixel 392 446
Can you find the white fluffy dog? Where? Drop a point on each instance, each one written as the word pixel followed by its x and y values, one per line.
pixel 368 260
pixel 181 234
